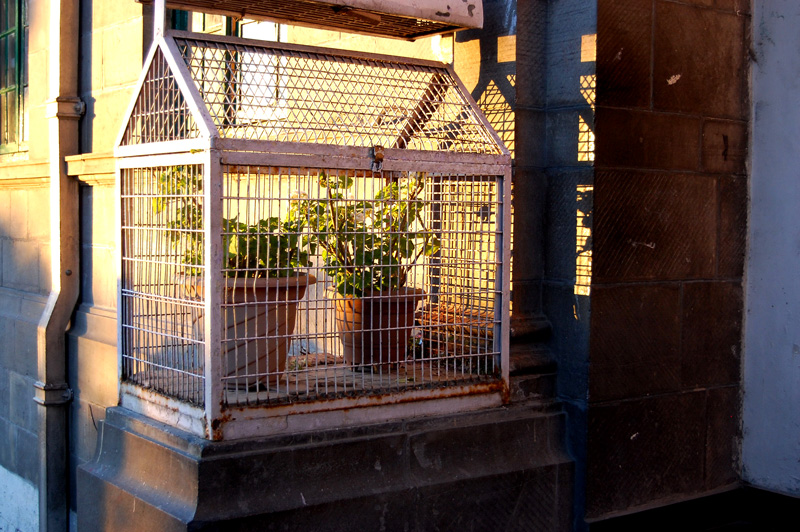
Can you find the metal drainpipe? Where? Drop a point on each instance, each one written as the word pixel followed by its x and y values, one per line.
pixel 64 109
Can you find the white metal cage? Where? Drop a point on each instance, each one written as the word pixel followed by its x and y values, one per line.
pixel 304 232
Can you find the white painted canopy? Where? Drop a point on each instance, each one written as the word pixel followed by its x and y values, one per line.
pixel 405 19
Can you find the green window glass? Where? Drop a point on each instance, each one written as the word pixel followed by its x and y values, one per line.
pixel 13 73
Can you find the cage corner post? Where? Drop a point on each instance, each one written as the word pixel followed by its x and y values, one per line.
pixel 214 390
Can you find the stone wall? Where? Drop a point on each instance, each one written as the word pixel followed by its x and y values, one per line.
pixel 669 226
pixel 24 285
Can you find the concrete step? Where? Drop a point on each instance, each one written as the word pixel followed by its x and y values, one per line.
pixel 532 373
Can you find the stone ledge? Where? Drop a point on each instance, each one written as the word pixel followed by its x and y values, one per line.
pixel 187 483
pixel 25 174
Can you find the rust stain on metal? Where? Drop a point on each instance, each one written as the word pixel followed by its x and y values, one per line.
pixel 217 424
pixel 380 399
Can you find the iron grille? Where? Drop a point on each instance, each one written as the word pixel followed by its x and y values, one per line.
pixel 162 337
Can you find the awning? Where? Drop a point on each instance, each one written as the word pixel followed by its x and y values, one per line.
pixel 409 19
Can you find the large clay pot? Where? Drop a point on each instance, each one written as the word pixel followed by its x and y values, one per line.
pixel 374 329
pixel 258 318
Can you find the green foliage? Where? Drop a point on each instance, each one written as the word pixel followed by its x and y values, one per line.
pixel 271 247
pixel 369 245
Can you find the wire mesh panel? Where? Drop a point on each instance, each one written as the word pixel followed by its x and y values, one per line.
pixel 346 282
pixel 160 112
pixel 162 251
pixel 254 91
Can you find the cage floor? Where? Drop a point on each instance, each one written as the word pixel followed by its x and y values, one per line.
pixel 321 376
pixel 330 378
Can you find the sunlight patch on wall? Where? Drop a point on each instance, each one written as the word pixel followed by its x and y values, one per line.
pixel 585 133
pixel 583 250
pixel 499 112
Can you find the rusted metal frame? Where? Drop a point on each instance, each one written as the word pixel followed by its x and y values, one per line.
pixel 414 156
pixel 425 109
pixel 474 105
pixel 297 161
pixel 248 421
pixel 327 53
pixel 394 156
pixel 214 286
pixel 168 410
pixel 174 148
pixel 443 168
pixel 171 159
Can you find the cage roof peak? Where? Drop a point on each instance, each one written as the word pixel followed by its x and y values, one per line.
pixel 197 86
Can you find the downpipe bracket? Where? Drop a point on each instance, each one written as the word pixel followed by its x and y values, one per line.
pixel 52 394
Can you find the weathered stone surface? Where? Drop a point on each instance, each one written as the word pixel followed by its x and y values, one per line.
pixel 724 409
pixel 635 341
pixel 732 226
pixel 641 139
pixel 647 449
pixel 399 474
pixel 692 73
pixel 724 146
pixel 651 227
pixel 712 330
pixel 624 53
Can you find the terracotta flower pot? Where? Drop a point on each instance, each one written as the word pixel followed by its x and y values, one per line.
pixel 258 319
pixel 375 329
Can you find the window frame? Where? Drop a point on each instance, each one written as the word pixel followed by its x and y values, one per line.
pixel 14 138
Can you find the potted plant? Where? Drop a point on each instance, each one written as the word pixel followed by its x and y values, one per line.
pixel 369 248
pixel 262 262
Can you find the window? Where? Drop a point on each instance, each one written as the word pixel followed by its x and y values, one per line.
pixel 13 74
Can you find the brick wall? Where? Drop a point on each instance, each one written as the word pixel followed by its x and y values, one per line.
pixel 669 238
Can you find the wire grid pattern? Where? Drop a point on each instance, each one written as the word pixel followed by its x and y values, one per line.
pixel 308 336
pixel 161 308
pixel 268 93
pixel 160 112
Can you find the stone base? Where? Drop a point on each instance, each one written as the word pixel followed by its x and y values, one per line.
pixel 500 469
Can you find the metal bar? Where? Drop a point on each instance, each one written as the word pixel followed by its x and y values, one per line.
pixel 426 108
pixel 212 227
pixel 189 89
pixel 343 55
pixel 473 104
pixel 150 161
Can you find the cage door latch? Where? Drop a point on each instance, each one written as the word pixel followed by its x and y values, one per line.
pixel 377 159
